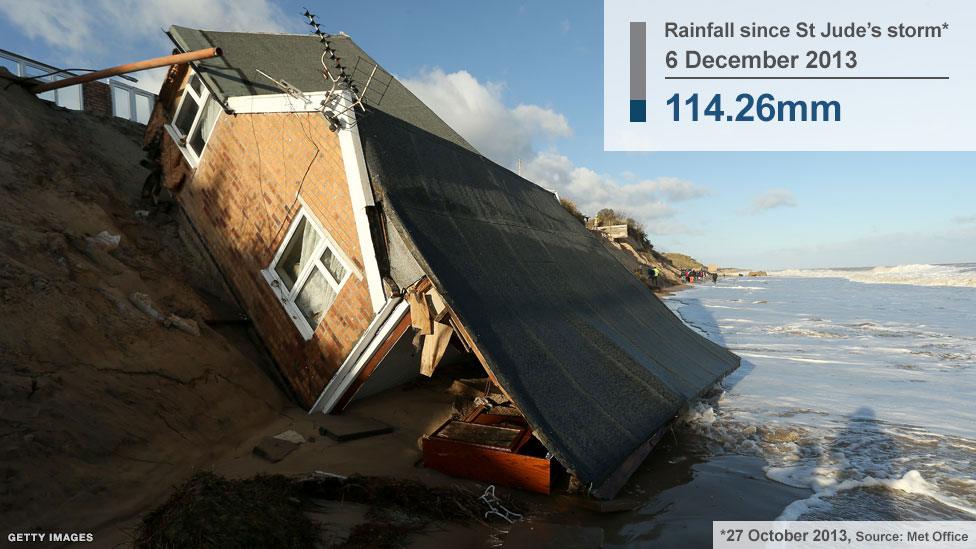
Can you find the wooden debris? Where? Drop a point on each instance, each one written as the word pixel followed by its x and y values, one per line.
pixel 435 345
pixel 420 316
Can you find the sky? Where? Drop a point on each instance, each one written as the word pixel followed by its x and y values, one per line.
pixel 523 82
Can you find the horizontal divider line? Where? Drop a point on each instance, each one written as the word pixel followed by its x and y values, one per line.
pixel 806 77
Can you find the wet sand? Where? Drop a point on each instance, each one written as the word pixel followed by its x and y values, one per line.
pixel 682 490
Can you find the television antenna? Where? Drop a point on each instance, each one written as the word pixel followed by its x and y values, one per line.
pixel 341 79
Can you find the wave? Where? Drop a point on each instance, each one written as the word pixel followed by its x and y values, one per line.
pixel 955 275
pixel 847 466
pixel 911 482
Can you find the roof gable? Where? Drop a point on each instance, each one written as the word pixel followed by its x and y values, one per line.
pixel 296 59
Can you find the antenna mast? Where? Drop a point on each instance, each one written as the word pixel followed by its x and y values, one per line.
pixel 343 95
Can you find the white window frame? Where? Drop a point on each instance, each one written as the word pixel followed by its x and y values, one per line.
pixel 278 286
pixel 131 95
pixel 201 99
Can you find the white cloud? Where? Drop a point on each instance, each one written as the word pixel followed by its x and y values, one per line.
pixel 964 219
pixel 506 135
pixel 565 26
pixel 645 200
pixel 477 112
pixel 101 33
pixel 543 121
pixel 773 198
pixel 61 24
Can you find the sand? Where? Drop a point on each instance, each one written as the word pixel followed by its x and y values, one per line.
pixel 101 407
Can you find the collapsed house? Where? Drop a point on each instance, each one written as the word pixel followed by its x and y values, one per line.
pixel 352 222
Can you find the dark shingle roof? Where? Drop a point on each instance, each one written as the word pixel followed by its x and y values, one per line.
pixel 595 361
pixel 295 58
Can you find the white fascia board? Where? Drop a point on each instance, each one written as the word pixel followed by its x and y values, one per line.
pixel 276 102
pixel 377 332
pixel 361 194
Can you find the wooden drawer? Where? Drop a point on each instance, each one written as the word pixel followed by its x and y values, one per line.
pixel 493 449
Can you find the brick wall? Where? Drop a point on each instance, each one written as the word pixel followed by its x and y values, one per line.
pixel 97 97
pixel 242 199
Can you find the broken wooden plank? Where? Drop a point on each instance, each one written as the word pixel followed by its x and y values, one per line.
pixel 420 316
pixel 435 345
pixel 344 428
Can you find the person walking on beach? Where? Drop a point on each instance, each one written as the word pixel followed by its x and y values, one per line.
pixel 654 274
pixel 714 278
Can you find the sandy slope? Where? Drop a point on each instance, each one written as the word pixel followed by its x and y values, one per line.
pixel 101 408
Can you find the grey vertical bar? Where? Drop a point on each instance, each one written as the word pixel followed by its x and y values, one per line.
pixel 638 60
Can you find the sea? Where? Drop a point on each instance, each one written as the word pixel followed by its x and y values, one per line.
pixel 856 385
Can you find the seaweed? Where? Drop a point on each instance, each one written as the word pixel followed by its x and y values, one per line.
pixel 211 511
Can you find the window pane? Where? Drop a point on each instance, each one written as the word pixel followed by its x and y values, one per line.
pixel 144 107
pixel 196 85
pixel 333 265
pixel 120 103
pixel 70 97
pixel 30 70
pixel 188 111
pixel 315 297
pixel 297 254
pixel 10 65
pixel 207 121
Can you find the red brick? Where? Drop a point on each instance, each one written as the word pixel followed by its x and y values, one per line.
pixel 239 199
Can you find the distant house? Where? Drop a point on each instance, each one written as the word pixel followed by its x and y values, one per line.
pixel 347 231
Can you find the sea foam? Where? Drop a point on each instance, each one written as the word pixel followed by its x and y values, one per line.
pixel 957 275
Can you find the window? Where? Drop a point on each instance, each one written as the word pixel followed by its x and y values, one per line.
pixel 120 102
pixel 10 64
pixel 70 98
pixel 131 103
pixel 307 273
pixel 195 119
pixel 144 106
pixel 38 72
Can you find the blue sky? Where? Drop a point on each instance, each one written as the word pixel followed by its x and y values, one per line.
pixel 523 82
